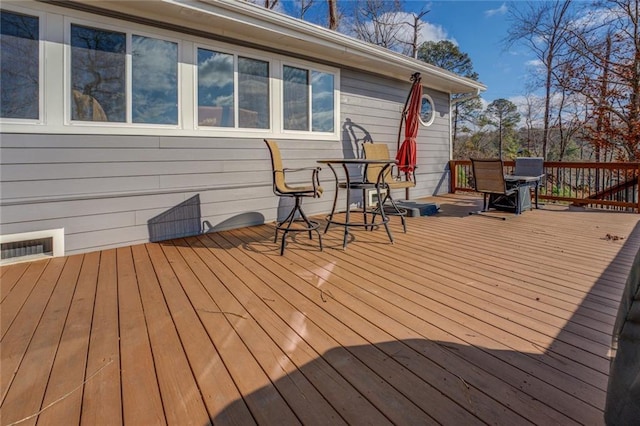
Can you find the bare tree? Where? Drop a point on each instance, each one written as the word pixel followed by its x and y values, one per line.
pixel 300 8
pixel 377 21
pixel 270 4
pixel 333 14
pixel 543 26
pixel 416 24
pixel 607 74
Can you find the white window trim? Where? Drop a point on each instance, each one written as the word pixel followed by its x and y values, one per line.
pixel 226 131
pixel 41 120
pixel 55 114
pixel 310 67
pixel 129 32
pixel 433 111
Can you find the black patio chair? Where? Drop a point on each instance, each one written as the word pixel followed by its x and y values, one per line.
pixel 488 178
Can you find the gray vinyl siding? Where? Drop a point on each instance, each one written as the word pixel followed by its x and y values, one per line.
pixel 376 104
pixel 104 189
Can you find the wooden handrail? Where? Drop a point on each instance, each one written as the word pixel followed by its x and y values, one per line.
pixel 606 185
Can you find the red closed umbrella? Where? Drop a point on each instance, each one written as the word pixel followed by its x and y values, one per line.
pixel 406 156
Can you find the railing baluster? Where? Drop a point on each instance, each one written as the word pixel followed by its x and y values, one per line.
pixel 614 185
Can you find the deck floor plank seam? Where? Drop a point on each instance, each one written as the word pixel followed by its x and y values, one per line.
pixel 302 398
pixel 215 382
pixel 102 394
pixel 174 375
pixel 26 395
pixel 337 272
pixel 221 317
pixel 141 400
pixel 462 320
pixel 348 403
pixel 15 300
pixel 64 391
pixel 381 393
pixel 452 378
pixel 413 261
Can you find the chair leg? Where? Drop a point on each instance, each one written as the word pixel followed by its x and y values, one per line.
pixel 286 225
pixel 310 225
pixel 398 212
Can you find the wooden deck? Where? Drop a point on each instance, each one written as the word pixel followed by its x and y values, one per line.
pixel 464 320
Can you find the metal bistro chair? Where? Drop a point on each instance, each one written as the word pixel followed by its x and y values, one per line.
pixel 488 176
pixel 282 189
pixel 380 151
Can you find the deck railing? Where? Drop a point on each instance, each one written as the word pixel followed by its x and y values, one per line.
pixel 612 186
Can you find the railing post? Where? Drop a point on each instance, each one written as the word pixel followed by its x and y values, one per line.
pixel 638 188
pixel 452 176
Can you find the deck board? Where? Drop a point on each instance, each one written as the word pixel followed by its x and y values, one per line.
pixel 101 396
pixel 463 320
pixel 380 306
pixel 214 381
pixel 141 400
pixel 68 372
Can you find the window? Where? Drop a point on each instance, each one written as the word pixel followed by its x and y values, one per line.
pixel 427 111
pixel 322 106
pixel 308 100
pixel 217 94
pixel 253 93
pixel 20 65
pixel 296 98
pixel 99 77
pixel 154 78
pixel 131 78
pixel 98 84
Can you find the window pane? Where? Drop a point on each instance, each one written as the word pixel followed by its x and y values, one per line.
pixel 253 93
pixel 215 89
pixel 322 102
pixel 98 74
pixel 154 79
pixel 20 64
pixel 296 98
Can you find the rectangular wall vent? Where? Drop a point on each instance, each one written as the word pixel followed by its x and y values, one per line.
pixel 31 245
pixel 41 246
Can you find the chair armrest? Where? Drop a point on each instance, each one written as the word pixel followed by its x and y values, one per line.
pixel 315 178
pixel 301 169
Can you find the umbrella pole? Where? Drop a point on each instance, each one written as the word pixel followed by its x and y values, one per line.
pixel 403 115
pixel 415 78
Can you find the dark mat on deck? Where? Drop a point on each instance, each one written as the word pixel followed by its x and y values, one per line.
pixel 418 208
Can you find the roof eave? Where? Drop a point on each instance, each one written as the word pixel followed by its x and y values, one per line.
pixel 244 21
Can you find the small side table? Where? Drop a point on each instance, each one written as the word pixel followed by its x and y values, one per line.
pixel 526 180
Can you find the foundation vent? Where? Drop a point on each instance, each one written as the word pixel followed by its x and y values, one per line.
pixel 31 246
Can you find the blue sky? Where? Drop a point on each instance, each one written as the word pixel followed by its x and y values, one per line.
pixel 478 28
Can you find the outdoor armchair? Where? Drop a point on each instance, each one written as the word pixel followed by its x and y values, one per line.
pixel 488 177
pixel 296 220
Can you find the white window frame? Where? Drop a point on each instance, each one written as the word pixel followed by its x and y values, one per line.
pixel 129 32
pixel 228 50
pixel 433 110
pixel 41 120
pixel 310 67
pixel 55 81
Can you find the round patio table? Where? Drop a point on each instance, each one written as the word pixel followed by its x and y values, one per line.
pixel 350 183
